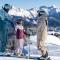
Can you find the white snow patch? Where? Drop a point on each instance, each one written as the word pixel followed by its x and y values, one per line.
pixel 50 39
pixel 53 40
pixel 13 58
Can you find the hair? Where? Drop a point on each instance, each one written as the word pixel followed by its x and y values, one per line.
pixel 19 21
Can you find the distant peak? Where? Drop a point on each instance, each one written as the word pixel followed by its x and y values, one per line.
pixel 53 6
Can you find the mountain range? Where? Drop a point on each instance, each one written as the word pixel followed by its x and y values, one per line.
pixel 52 11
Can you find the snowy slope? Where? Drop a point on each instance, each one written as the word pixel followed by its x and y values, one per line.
pixel 13 58
pixel 50 39
pixel 53 40
pixel 53 45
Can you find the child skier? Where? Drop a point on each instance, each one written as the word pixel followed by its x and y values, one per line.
pixel 20 34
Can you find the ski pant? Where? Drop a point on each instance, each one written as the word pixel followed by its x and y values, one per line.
pixel 19 45
pixel 41 37
pixel 3 36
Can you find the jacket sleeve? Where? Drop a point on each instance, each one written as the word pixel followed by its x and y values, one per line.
pixel 26 33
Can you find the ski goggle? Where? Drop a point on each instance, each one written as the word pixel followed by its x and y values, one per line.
pixel 7 6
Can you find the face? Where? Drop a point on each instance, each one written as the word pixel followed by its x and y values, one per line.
pixel 21 22
pixel 6 10
pixel 40 13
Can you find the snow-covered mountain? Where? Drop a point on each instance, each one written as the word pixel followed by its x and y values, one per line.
pixel 33 11
pixel 23 12
pixel 53 15
pixel 52 11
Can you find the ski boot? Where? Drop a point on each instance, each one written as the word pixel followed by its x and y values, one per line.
pixel 19 54
pixel 45 57
pixel 41 58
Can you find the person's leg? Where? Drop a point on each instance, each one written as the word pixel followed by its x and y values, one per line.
pixel 4 37
pixel 41 37
pixel 21 45
pixel 17 46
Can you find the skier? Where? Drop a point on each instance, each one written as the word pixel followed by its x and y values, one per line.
pixel 4 16
pixel 42 24
pixel 20 34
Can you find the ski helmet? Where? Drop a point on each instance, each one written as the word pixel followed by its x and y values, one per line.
pixel 7 6
pixel 41 12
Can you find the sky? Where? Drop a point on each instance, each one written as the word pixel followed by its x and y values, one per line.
pixel 30 3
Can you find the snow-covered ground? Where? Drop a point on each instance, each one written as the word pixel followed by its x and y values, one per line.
pixel 52 43
pixel 13 58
